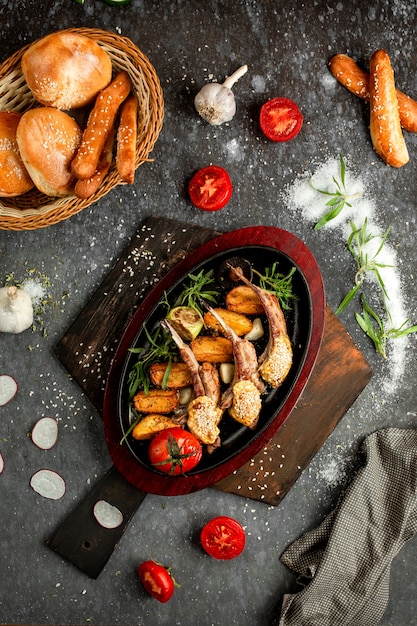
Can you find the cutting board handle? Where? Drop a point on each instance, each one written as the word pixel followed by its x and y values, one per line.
pixel 81 539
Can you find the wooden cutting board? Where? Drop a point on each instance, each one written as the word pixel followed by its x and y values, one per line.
pixel 87 349
pixel 339 376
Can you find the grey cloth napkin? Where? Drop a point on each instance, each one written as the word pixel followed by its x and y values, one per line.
pixel 346 560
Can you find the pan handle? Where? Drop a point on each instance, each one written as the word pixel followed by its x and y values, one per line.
pixel 81 539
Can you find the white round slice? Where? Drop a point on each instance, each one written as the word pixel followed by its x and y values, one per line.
pixel 45 433
pixel 48 484
pixel 1 463
pixel 8 388
pixel 107 515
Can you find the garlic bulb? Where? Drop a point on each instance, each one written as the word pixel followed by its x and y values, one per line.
pixel 216 103
pixel 16 310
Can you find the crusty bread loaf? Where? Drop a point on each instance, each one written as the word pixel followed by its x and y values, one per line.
pixel 48 140
pixel 14 177
pixel 384 124
pixel 66 70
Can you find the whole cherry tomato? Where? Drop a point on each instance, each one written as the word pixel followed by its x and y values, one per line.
pixel 175 451
pixel 210 188
pixel 223 537
pixel 280 119
pixel 157 580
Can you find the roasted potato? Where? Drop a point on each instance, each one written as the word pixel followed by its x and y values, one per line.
pixel 179 375
pixel 150 425
pixel 243 299
pixel 156 401
pixel 212 349
pixel 237 321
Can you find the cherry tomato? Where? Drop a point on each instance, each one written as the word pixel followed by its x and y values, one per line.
pixel 223 537
pixel 157 580
pixel 210 188
pixel 280 119
pixel 175 451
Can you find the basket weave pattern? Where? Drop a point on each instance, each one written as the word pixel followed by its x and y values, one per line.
pixel 34 209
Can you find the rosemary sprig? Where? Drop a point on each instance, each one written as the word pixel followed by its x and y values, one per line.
pixel 137 418
pixel 161 347
pixel 201 287
pixel 278 283
pixel 357 243
pixel 374 327
pixel 338 198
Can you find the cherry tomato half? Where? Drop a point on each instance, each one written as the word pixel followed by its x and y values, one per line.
pixel 157 580
pixel 280 119
pixel 223 537
pixel 210 188
pixel 175 451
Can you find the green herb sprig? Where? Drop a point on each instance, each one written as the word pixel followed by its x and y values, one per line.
pixel 161 348
pixel 374 327
pixel 280 284
pixel 357 242
pixel 339 197
pixel 201 287
pixel 135 418
pixel 372 324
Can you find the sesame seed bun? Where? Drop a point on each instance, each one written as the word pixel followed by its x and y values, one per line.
pixel 14 177
pixel 48 140
pixel 66 70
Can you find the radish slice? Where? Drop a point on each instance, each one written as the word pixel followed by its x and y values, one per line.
pixel 107 515
pixel 1 463
pixel 48 484
pixel 8 388
pixel 45 433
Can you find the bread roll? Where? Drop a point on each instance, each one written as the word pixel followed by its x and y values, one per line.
pixel 14 177
pixel 66 70
pixel 48 140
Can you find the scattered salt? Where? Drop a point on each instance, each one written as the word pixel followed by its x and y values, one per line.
pixel 258 83
pixel 36 291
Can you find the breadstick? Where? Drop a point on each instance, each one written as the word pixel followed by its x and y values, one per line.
pixel 126 139
pixel 386 134
pixel 356 80
pixel 100 122
pixel 86 187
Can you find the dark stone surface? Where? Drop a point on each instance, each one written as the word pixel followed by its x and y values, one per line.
pixel 287 46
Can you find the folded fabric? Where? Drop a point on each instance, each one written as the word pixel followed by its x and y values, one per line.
pixel 346 560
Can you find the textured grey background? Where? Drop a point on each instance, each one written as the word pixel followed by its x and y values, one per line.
pixel 287 46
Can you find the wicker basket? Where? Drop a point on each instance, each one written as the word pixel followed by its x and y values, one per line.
pixel 34 209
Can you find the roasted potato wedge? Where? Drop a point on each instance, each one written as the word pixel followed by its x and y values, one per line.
pixel 150 425
pixel 212 349
pixel 243 299
pixel 156 401
pixel 179 375
pixel 240 323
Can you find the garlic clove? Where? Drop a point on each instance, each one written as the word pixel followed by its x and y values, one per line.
pixel 16 310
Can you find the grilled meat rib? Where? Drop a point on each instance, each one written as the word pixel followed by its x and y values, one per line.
pixel 243 397
pixel 204 414
pixel 276 360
